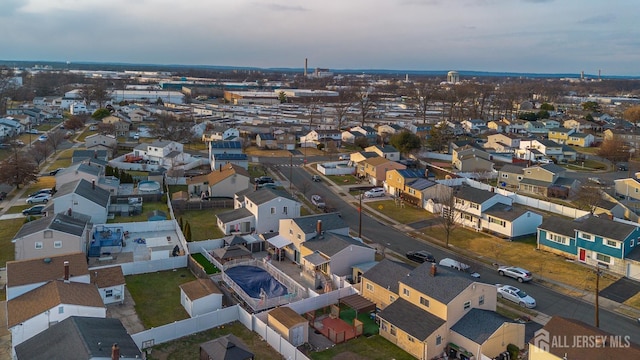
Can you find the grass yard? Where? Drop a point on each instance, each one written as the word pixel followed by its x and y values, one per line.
pixel 63 160
pixel 86 133
pixel 176 188
pixel 8 229
pixel 43 182
pixel 157 296
pixel 634 301
pixel 405 215
pixel 203 223
pixel 17 209
pixel 255 151
pixel 370 327
pixel 209 268
pixel 147 208
pixel 374 347
pixel 343 179
pixel 188 347
pixel 587 165
pixel 588 150
pixel 522 253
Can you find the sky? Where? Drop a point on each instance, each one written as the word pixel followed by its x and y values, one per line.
pixel 532 36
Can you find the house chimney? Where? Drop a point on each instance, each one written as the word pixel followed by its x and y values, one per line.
pixel 434 269
pixel 319 227
pixel 115 352
pixel 93 184
pixel 220 167
pixel 66 271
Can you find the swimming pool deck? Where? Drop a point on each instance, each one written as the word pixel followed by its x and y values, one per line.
pixel 138 251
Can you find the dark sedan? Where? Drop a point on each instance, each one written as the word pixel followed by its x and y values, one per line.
pixel 34 210
pixel 420 256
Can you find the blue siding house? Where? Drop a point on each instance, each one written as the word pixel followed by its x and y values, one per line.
pixel 594 240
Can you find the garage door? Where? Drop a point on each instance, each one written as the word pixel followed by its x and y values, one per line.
pixel 633 270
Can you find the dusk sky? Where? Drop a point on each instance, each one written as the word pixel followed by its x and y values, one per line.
pixel 537 36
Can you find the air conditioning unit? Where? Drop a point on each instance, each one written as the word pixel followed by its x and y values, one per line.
pixel 118 297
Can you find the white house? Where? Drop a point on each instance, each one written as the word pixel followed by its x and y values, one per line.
pixel 110 283
pixel 221 134
pixel 159 151
pixel 386 151
pixel 200 296
pixel 227 152
pixel 78 108
pixel 77 171
pixel 260 212
pixel 83 197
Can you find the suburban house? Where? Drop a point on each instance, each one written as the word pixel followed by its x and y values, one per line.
pixel 397 180
pixel 628 188
pixel 550 123
pixel 374 170
pixel 510 175
pixel 422 130
pixel 221 134
pixel 630 137
pixel 110 283
pixel 121 126
pixel 350 137
pixel 487 211
pixel 79 170
pixel 431 302
pixel 26 275
pixel 389 129
pixel 225 152
pixel 581 125
pixel 163 152
pixel 334 254
pixel 52 235
pixel 293 232
pixel 370 133
pixel 380 284
pixel 535 128
pixel 224 181
pixel 581 139
pixel 266 141
pixel 605 346
pixel 361 156
pixel 507 142
pixel 386 151
pixel 101 142
pixel 31 313
pixel 260 212
pixel 285 141
pixel 93 154
pixel 470 159
pixel 315 137
pixel 499 126
pixel 200 296
pixel 541 180
pixel 82 197
pixel 612 244
pixel 474 126
pixel 560 135
pixel 78 334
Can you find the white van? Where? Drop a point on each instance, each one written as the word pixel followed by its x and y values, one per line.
pixel 454 264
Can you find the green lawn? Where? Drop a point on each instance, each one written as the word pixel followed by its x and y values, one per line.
pixel 157 296
pixel 203 223
pixel 403 214
pixel 17 209
pixel 188 347
pixel 63 160
pixel 8 229
pixel 370 325
pixel 343 179
pixel 374 347
pixel 85 133
pixel 175 188
pixel 147 208
pixel 209 268
pixel 587 165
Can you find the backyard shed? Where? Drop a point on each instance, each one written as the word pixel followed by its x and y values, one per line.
pixel 289 324
pixel 200 296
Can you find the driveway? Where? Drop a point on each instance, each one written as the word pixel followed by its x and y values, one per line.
pixel 621 290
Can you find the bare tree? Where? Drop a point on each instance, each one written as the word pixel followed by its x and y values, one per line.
pixel 39 152
pixel 449 217
pixel 365 104
pixel 423 96
pixel 341 106
pixel 170 128
pixel 18 169
pixel 589 198
pixel 6 86
pixel 55 138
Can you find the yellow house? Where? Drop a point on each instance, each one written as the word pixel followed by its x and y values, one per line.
pixel 563 338
pixel 289 324
pixel 580 139
pixel 397 180
pixel 430 303
pixel 375 169
pixel 560 135
pixel 380 283
pixel 628 188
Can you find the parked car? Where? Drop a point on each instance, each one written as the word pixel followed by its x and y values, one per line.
pixel 136 136
pixel 5 146
pixel 54 172
pixel 42 138
pixel 3 195
pixel 39 198
pixel 545 161
pixel 42 191
pixel 455 264
pixel 420 256
pixel 516 295
pixel 267 185
pixel 316 178
pixel 263 180
pixel 596 180
pixel 34 210
pixel 93 128
pixel 317 201
pixel 623 167
pixel 19 142
pixel 375 192
pixel 515 272
pixel 32 131
pixel 345 157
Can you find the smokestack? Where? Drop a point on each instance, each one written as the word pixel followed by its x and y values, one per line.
pixel 66 271
pixel 306 62
pixel 319 227
pixel 434 269
pixel 115 352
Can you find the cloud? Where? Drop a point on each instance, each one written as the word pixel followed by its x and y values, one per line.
pixel 598 19
pixel 537 1
pixel 9 7
pixel 279 7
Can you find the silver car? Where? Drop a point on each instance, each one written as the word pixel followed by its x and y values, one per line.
pixel 516 295
pixel 517 273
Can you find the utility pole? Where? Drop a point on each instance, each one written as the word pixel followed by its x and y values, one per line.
pixel 290 172
pixel 597 312
pixel 360 217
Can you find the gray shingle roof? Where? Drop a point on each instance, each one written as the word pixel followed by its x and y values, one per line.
pixel 411 319
pixel 226 145
pixel 421 184
pixel 472 194
pixel 331 221
pixel 85 189
pixel 505 212
pixel 605 228
pixel 411 173
pixel 330 244
pixel 264 195
pixel 478 325
pixel 84 337
pixel 553 168
pixel 58 222
pixel 559 225
pixel 443 287
pixel 512 169
pixel 232 215
pixel 387 273
pixel 84 168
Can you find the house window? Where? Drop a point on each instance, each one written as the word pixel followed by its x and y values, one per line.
pixel 60 309
pixel 481 300
pixel 467 305
pixel 384 326
pixel 392 298
pixel 459 201
pixel 405 292
pixel 611 243
pixel 370 287
pixel 424 301
pixel 38 245
pixel 57 244
pixel 520 177
pixel 285 210
pixel 506 176
pixel 558 239
pixel 108 293
pixel 273 210
pixel 290 231
pixel 497 221
pixel 438 340
pixel 392 331
pixel 410 338
pixel 603 258
pixel 586 237
pixel 474 206
pixel 299 236
pixel 48 234
pixel 632 243
pixel 467 217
